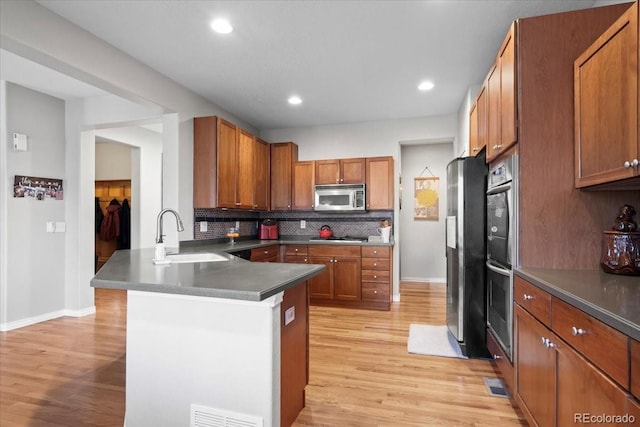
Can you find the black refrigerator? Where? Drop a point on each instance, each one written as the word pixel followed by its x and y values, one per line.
pixel 466 253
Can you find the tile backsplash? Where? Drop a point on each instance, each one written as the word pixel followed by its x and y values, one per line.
pixel 289 223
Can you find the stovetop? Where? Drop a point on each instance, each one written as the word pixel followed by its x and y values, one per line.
pixel 342 239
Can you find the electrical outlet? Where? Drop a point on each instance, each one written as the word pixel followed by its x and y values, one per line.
pixel 303 223
pixel 289 315
pixel 237 225
pixel 203 226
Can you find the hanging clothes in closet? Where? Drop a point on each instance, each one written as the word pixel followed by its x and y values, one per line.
pixel 124 240
pixel 110 228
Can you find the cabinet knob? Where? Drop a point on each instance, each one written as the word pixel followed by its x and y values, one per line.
pixel 375 292
pixel 577 331
pixel 497 357
pixel 305 260
pixel 266 252
pixel 296 250
pixel 632 164
pixel 549 344
pixel 288 206
pixel 375 277
pixel 543 340
pixel 237 204
pixel 375 264
pixel 527 297
pixel 375 252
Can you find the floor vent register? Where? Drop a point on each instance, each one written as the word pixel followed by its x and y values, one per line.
pixel 495 387
pixel 203 416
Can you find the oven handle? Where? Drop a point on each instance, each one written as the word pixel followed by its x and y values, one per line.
pixel 499 189
pixel 499 270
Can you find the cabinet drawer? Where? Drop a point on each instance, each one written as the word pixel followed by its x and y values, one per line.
pixel 266 253
pixel 375 264
pixel 334 251
pixel 533 299
pixel 375 292
pixel 375 276
pixel 295 250
pixel 375 251
pixel 502 361
pixel 635 368
pixel 600 343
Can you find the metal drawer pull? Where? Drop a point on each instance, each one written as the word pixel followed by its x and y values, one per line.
pixel 527 297
pixel 577 331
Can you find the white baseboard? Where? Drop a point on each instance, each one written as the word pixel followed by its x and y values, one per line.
pixel 433 280
pixel 44 317
pixel 396 298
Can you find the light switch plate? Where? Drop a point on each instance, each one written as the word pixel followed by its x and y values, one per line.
pixel 303 223
pixel 51 227
pixel 203 226
pixel 60 227
pixel 237 225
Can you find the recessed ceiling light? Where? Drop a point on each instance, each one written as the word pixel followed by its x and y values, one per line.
pixel 295 100
pixel 221 26
pixel 426 85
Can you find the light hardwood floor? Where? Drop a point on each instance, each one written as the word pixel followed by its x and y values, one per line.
pixel 71 371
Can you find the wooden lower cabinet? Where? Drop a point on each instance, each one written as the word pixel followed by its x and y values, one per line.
pixel 266 254
pixel 341 279
pixel 633 411
pixel 376 276
pixel 556 384
pixel 294 353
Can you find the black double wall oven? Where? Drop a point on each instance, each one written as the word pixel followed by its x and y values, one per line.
pixel 502 248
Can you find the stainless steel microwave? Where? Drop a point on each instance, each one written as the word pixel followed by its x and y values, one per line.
pixel 340 197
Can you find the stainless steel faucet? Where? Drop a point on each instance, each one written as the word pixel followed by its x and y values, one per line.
pixel 159 234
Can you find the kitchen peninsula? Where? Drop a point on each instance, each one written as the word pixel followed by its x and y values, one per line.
pixel 204 338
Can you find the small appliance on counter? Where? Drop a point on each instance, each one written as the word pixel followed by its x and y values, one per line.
pixel 268 230
pixel 621 245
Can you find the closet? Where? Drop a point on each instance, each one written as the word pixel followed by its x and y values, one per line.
pixel 106 193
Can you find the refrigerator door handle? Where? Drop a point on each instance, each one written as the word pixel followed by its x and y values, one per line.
pixel 499 270
pixel 499 189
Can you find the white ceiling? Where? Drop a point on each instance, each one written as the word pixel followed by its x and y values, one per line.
pixel 349 61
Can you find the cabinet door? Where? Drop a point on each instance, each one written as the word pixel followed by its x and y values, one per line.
pixel 535 369
pixel 493 113
pixel 379 183
pixel 327 172
pixel 606 105
pixel 352 171
pixel 583 389
pixel 481 106
pixel 283 154
pixel 321 286
pixel 245 170
pixel 227 163
pixel 261 175
pixel 347 278
pixel 508 108
pixel 303 178
pixel 205 136
pixel 473 130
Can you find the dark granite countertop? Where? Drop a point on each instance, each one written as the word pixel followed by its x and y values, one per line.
pixel 233 279
pixel 610 298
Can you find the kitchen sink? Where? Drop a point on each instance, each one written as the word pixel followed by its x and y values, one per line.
pixel 196 257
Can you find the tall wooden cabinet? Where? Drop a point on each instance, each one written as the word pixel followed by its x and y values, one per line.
pixel 379 183
pixel 230 166
pixel 283 156
pixel 501 93
pixel 340 171
pixel 478 123
pixel 303 181
pixel 607 148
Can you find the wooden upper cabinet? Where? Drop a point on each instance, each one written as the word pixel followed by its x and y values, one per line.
pixel 478 123
pixel 230 166
pixel 607 148
pixel 283 155
pixel 340 171
pixel 303 181
pixel 502 102
pixel 379 183
pixel 205 136
pixel 261 164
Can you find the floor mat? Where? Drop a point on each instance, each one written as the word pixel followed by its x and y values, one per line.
pixel 495 387
pixel 433 341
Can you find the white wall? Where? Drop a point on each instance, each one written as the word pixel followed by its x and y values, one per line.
pixel 422 245
pixel 35 33
pixel 113 161
pixel 461 144
pixel 370 139
pixel 35 282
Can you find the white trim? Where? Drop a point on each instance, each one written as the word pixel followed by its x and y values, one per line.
pixel 433 280
pixel 396 297
pixel 45 317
